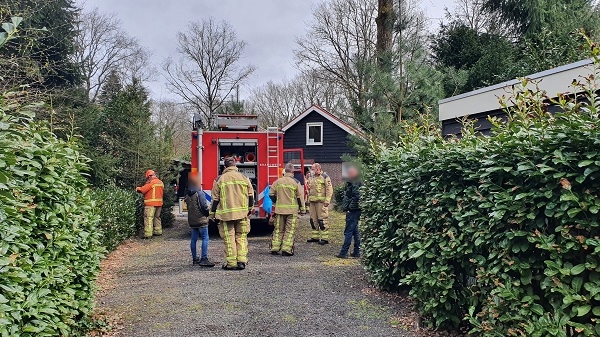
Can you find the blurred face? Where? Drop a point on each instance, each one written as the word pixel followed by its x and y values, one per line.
pixel 317 169
pixel 352 173
pixel 196 182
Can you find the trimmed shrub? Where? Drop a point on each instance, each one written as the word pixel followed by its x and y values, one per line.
pixel 167 217
pixel 116 209
pixel 49 248
pixel 338 197
pixel 498 233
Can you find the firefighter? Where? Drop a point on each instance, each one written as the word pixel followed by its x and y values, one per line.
pixel 153 201
pixel 288 196
pixel 320 192
pixel 232 202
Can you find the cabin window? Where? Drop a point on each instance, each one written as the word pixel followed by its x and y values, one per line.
pixel 314 133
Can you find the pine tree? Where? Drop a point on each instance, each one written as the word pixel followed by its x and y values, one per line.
pixel 531 17
pixel 130 132
pixel 44 50
pixel 111 88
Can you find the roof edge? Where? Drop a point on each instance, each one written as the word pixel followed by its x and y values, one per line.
pixel 535 76
pixel 326 114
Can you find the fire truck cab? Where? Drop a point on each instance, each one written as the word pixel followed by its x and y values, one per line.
pixel 259 155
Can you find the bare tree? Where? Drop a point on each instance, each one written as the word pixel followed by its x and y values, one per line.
pixel 102 47
pixel 473 14
pixel 340 46
pixel 208 69
pixel 174 121
pixel 278 103
pixel 274 103
pixel 348 45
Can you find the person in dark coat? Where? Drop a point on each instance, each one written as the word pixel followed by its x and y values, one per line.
pixel 351 205
pixel 198 210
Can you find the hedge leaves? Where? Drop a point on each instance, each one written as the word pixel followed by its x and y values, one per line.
pixel 499 233
pixel 49 248
pixel 116 209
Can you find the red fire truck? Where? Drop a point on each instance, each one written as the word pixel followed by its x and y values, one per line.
pixel 259 154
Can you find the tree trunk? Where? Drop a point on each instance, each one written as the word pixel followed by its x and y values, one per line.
pixel 385 34
pixel 384 49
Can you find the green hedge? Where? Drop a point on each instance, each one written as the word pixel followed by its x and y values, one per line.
pixel 167 217
pixel 499 233
pixel 338 197
pixel 117 211
pixel 49 248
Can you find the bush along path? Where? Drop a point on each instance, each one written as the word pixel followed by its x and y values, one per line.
pixel 499 234
pixel 152 289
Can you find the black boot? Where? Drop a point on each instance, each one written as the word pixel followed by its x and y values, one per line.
pixel 196 261
pixel 228 267
pixel 323 242
pixel 287 254
pixel 206 263
pixel 312 240
pixel 241 266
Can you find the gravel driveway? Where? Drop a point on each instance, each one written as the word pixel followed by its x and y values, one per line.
pixel 153 289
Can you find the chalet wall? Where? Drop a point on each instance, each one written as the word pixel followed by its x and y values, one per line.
pixel 335 140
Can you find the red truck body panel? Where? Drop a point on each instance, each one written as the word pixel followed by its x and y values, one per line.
pixel 262 170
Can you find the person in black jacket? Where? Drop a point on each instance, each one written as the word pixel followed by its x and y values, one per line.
pixel 198 210
pixel 351 205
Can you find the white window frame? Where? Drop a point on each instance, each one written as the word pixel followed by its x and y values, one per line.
pixel 308 141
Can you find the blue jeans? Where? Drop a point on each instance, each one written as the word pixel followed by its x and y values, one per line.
pixel 350 232
pixel 203 234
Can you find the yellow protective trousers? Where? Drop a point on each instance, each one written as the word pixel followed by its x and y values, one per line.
pixel 319 215
pixel 235 236
pixel 283 234
pixel 152 222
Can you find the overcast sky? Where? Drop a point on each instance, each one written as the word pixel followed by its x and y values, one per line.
pixel 268 26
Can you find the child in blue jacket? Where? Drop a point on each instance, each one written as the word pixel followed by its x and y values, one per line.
pixel 198 209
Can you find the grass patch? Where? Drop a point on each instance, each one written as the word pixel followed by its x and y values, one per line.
pixel 364 309
pixel 290 319
pixel 196 308
pixel 337 223
pixel 162 326
pixel 335 262
pixel 233 307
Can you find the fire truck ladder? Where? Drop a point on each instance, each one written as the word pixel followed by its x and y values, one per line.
pixel 273 153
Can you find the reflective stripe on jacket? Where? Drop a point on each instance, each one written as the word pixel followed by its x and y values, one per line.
pixel 232 190
pixel 287 191
pixel 153 192
pixel 320 189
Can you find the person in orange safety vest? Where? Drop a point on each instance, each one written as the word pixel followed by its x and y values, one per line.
pixel 153 201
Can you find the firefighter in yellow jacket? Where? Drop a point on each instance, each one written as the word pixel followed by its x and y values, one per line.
pixel 320 192
pixel 153 192
pixel 288 196
pixel 232 202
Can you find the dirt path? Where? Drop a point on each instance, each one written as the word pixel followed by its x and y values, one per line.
pixel 155 291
